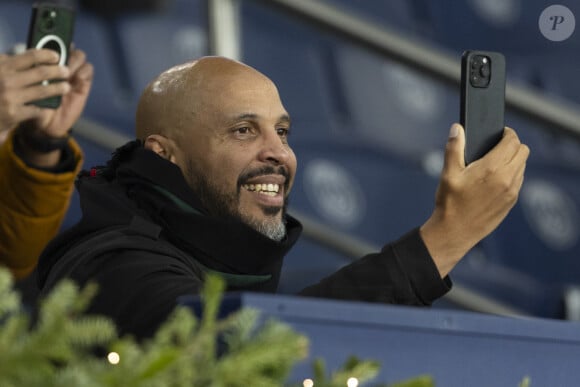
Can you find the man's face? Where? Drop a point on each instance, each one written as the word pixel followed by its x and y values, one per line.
pixel 238 159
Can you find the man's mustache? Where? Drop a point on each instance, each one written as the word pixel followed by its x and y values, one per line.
pixel 264 171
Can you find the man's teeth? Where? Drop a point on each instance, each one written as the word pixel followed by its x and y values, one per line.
pixel 266 189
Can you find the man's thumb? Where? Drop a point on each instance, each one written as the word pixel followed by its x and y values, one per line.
pixel 455 148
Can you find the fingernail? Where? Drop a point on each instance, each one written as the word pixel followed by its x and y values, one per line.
pixel 454 131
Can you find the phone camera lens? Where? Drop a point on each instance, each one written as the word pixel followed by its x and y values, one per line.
pixel 48 20
pixel 480 71
pixel 48 25
pixel 484 71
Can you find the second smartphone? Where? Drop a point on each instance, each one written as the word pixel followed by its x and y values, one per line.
pixel 51 27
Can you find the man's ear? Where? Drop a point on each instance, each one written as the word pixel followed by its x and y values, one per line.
pixel 161 145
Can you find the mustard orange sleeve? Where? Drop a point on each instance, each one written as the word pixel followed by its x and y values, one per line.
pixel 33 204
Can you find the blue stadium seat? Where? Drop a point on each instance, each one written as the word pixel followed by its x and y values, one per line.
pixel 109 103
pixel 153 42
pixel 345 92
pixel 558 76
pixel 323 87
pixel 401 15
pixel 361 190
pixel 402 110
pixel 527 263
pixel 292 54
pixel 510 26
pixel 356 190
pixel 532 257
pixel 14 20
pixel 482 271
pixel 541 236
pixel 548 148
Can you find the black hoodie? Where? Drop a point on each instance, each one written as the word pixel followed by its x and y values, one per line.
pixel 145 239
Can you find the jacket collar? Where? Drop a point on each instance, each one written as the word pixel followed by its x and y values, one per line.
pixel 231 247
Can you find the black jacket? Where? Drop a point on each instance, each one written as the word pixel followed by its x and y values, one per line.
pixel 145 239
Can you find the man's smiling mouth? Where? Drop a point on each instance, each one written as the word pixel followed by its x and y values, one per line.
pixel 270 189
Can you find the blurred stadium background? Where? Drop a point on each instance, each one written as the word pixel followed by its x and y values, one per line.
pixel 372 87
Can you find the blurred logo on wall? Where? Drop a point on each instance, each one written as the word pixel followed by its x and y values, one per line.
pixel 551 213
pixel 335 193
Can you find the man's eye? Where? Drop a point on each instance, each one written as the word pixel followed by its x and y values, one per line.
pixel 283 132
pixel 244 130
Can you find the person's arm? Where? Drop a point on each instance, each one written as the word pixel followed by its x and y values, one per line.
pixel 471 201
pixel 401 273
pixel 38 160
pixel 32 206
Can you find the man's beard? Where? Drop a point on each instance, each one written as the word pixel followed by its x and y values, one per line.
pixel 226 205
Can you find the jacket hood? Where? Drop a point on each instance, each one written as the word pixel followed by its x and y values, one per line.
pixel 138 182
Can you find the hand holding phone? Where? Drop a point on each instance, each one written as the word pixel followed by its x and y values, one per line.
pixel 482 101
pixel 51 27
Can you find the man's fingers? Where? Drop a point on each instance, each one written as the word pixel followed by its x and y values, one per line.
pixel 521 151
pixel 36 75
pixel 519 160
pixel 30 58
pixel 81 81
pixel 505 150
pixel 28 112
pixel 41 91
pixel 86 72
pixel 521 155
pixel 20 113
pixel 518 173
pixel 4 58
pixel 76 60
pixel 455 148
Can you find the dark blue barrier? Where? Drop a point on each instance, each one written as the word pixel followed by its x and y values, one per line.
pixel 457 349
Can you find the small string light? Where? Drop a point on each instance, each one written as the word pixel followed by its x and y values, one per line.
pixel 352 382
pixel 308 383
pixel 113 358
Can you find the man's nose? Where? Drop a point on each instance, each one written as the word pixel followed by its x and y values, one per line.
pixel 274 150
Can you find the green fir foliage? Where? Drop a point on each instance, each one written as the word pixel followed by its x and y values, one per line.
pixel 66 347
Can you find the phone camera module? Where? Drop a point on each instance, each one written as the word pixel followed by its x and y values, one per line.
pixel 480 71
pixel 48 20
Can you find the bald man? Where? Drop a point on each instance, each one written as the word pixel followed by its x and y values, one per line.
pixel 204 190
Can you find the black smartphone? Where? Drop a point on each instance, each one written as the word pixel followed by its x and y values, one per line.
pixel 482 101
pixel 51 26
